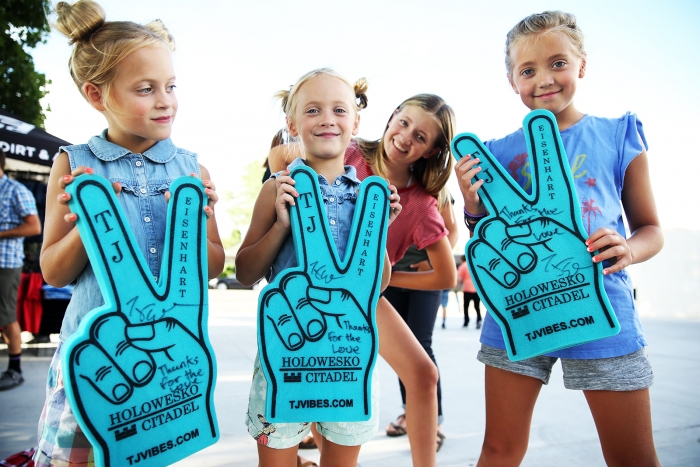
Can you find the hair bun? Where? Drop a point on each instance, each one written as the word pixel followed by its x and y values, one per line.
pixel 360 88
pixel 78 21
pixel 158 28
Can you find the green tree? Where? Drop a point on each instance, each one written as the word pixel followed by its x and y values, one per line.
pixel 23 24
pixel 243 202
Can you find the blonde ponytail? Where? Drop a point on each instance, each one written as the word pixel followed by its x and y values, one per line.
pixel 360 89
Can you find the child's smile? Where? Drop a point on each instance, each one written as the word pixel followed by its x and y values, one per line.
pixel 325 118
pixel 411 135
pixel 545 73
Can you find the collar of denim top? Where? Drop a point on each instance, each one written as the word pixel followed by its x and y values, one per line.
pixel 350 172
pixel 161 152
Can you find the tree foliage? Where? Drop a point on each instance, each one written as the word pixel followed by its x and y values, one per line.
pixel 243 199
pixel 23 24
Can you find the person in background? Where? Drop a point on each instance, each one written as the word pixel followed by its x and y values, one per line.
pixel 469 293
pixel 419 308
pixel 18 219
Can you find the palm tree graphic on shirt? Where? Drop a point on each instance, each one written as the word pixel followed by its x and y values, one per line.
pixel 588 210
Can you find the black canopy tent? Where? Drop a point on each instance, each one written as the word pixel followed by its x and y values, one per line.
pixel 25 142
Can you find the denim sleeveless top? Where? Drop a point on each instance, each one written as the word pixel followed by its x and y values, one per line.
pixel 144 179
pixel 339 199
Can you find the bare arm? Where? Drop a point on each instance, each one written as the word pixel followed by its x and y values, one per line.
pixel 448 216
pixel 267 231
pixel 63 255
pixel 215 250
pixel 442 276
pixel 30 226
pixel 386 272
pixel 647 237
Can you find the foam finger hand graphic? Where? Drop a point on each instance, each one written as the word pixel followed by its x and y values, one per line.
pixel 528 256
pixel 140 371
pixel 317 336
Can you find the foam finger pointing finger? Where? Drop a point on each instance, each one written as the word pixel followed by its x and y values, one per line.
pixel 550 168
pixel 497 190
pixel 101 223
pixel 185 248
pixel 312 239
pixel 367 244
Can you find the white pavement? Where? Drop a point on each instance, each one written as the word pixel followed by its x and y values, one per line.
pixel 563 432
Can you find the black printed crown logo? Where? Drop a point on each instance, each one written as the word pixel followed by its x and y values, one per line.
pixel 520 312
pixel 292 377
pixel 125 433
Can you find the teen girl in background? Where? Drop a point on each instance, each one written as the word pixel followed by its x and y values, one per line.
pixel 419 307
pixel 125 71
pixel 545 58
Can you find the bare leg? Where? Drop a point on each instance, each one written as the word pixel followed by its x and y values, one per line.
pixel 623 421
pixel 13 338
pixel 335 455
pixel 510 401
pixel 400 348
pixel 317 437
pixel 269 457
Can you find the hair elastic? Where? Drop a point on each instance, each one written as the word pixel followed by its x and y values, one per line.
pixel 475 216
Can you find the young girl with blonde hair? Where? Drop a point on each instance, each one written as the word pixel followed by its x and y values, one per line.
pixel 545 58
pixel 125 71
pixel 322 111
pixel 414 155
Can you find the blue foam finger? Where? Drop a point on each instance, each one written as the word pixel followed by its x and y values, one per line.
pixel 140 371
pixel 317 336
pixel 528 257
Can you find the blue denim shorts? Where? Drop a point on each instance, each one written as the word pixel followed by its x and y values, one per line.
pixel 624 373
pixel 445 297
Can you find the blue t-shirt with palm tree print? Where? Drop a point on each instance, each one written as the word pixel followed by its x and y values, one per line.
pixel 599 151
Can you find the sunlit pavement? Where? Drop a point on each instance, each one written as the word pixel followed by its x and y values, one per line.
pixel 563 432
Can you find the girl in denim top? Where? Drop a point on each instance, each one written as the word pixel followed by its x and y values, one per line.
pixel 545 59
pixel 322 111
pixel 125 71
pixel 414 154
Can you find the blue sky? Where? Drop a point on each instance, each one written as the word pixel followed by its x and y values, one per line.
pixel 233 55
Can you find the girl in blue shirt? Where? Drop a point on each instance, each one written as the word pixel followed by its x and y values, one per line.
pixel 545 58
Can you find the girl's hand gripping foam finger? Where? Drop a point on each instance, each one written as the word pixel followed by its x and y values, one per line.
pixel 612 247
pixel 466 169
pixel 286 196
pixel 394 203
